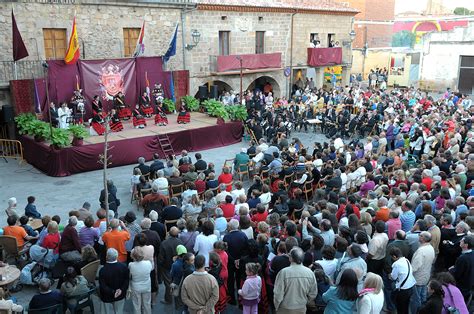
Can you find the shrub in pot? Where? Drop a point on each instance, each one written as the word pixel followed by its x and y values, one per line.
pixel 25 123
pixel 78 133
pixel 60 138
pixel 191 103
pixel 169 105
pixel 41 130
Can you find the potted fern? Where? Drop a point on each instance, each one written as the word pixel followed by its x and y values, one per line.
pixel 191 103
pixel 40 130
pixel 78 133
pixel 221 114
pixel 169 105
pixel 60 138
pixel 25 123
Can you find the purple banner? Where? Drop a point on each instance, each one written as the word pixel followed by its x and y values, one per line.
pixel 249 62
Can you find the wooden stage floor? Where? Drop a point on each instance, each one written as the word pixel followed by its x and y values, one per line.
pixel 198 120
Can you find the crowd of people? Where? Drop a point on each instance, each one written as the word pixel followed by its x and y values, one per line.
pixel 379 223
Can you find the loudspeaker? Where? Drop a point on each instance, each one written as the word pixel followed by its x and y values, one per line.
pixel 203 92
pixel 7 114
pixel 214 93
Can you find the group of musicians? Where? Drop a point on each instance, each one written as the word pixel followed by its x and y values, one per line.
pixel 64 115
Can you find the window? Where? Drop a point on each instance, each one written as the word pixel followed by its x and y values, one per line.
pixel 55 43
pixel 130 37
pixel 331 40
pixel 259 42
pixel 224 43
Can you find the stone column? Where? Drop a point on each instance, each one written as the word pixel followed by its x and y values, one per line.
pixel 319 79
pixel 346 72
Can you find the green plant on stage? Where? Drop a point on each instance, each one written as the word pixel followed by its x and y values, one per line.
pixel 41 130
pixel 191 103
pixel 211 106
pixel 78 131
pixel 237 112
pixel 25 123
pixel 60 138
pixel 169 105
pixel 220 112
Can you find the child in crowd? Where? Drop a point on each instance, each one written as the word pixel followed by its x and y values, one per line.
pixel 251 289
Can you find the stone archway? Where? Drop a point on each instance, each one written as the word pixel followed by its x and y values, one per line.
pixel 221 87
pixel 261 83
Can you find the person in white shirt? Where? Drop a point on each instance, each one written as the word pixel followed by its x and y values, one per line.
pixel 328 263
pixel 239 190
pixel 371 297
pixel 64 114
pixel 402 275
pixel 422 262
pixel 161 182
pixel 140 282
pixel 205 241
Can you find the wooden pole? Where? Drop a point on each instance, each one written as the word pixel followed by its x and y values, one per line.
pixel 105 162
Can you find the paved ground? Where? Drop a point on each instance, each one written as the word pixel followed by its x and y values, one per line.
pixel 57 196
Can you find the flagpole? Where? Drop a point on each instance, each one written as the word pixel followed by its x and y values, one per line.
pixel 15 70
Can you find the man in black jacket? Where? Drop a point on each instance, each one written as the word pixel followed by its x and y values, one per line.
pixel 113 284
pixel 463 270
pixel 165 260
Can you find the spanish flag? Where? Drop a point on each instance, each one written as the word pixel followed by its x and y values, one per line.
pixel 73 51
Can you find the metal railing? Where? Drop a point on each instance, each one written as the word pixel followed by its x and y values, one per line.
pixel 11 149
pixel 24 70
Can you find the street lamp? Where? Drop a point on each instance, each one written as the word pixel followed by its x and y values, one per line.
pixel 196 35
pixel 352 35
pixel 241 75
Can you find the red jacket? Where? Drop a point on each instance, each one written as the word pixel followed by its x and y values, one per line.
pixel 342 209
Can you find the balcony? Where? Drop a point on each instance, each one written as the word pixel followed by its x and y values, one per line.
pixel 324 56
pixel 251 63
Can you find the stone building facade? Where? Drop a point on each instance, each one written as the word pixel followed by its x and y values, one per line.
pixel 101 23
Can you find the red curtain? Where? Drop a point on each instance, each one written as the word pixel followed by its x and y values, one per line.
pixel 22 96
pixel 181 83
pixel 324 56
pixel 250 62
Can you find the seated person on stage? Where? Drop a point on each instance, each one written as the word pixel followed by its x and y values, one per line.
pixel 183 115
pixel 138 119
pixel 53 112
pixel 64 115
pixel 119 104
pixel 97 123
pixel 115 123
pixel 160 117
pixel 145 105
pixel 96 105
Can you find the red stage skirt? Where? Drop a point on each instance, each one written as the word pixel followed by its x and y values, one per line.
pixel 147 110
pixel 159 119
pixel 116 127
pixel 124 113
pixel 138 122
pixel 184 118
pixel 99 128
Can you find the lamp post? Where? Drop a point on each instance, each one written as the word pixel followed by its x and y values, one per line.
pixel 196 36
pixel 241 76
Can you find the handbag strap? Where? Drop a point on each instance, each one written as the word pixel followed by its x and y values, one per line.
pixel 408 275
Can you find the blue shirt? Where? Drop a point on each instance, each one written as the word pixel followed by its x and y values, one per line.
pixel 461 209
pixel 336 304
pixel 418 210
pixel 407 219
pixel 30 211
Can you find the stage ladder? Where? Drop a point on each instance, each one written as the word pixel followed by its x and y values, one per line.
pixel 165 145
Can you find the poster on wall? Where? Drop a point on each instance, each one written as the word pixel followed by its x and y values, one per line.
pixel 330 71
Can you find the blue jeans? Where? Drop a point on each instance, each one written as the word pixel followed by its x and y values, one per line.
pixel 388 287
pixel 418 297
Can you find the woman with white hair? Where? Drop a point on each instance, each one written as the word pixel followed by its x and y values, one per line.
pixel 161 182
pixel 140 282
pixel 11 210
pixel 371 298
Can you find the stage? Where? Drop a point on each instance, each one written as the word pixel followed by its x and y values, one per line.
pixel 126 146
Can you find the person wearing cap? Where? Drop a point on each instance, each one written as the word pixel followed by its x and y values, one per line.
pixel 116 239
pixel 241 159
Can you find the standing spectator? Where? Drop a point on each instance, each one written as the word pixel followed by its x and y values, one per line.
pixel 30 209
pixel 200 291
pixel 70 247
pixel 371 298
pixel 237 247
pixel 421 263
pixel 295 285
pixel 434 305
pixel 463 270
pixel 404 281
pixel 251 289
pixel 165 261
pixel 116 239
pixel 113 284
pixel 377 248
pixel 452 295
pixel 205 241
pixel 140 283
pixel 341 298
pixel 393 224
pixel 112 199
pixel 407 217
pixel 156 225
pixel 435 232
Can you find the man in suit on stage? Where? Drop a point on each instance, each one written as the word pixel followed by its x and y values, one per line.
pixel 53 113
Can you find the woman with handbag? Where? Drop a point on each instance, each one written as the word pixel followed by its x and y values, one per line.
pixel 453 298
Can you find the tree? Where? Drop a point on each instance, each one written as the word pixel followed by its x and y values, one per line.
pixel 403 39
pixel 463 11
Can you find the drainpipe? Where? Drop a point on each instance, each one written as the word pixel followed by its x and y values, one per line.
pixel 291 55
pixel 183 31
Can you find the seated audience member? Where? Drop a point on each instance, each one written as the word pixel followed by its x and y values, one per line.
pixel 46 297
pixel 30 209
pixel 17 231
pixel 24 224
pixel 7 305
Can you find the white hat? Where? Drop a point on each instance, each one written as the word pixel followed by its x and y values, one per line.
pixel 11 201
